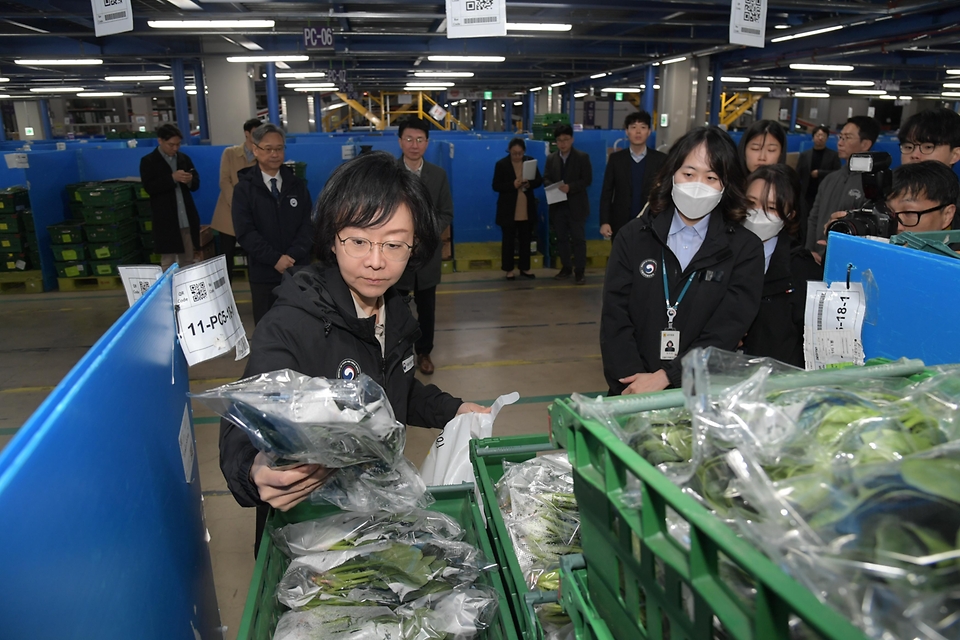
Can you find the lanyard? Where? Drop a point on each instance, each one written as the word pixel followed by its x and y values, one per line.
pixel 672 309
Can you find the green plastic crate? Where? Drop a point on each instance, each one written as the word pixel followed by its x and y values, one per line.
pixel 146 225
pixel 109 267
pixel 10 243
pixel 13 199
pixel 105 194
pixel 144 210
pixel 147 241
pixel 587 623
pixel 70 232
pixel 68 252
pixel 140 192
pixel 73 190
pixel 117 232
pixel 262 610
pixel 10 223
pixel 645 583
pixel 487 456
pixel 112 250
pixel 108 215
pixel 78 269
pixel 15 262
pixel 28 221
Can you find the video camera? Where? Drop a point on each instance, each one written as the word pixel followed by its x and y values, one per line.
pixel 873 218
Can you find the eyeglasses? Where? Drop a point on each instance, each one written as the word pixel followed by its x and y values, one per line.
pixel 418 140
pixel 847 137
pixel 391 249
pixel 912 218
pixel 926 148
pixel 269 150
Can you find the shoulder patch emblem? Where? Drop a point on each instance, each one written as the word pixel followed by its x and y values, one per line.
pixel 648 268
pixel 348 370
pixel 293 202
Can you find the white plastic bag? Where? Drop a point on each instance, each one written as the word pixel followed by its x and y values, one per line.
pixel 448 461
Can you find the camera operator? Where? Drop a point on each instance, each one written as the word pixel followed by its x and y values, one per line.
pixel 841 190
pixel 924 197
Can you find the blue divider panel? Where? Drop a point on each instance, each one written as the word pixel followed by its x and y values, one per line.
pixel 911 307
pixel 48 173
pixel 102 537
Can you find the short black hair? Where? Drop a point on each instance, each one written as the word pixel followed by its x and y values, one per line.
pixel 517 142
pixel 637 116
pixel 562 130
pixel 821 127
pixel 763 128
pixel 167 131
pixel 935 126
pixel 786 185
pixel 724 161
pixel 929 178
pixel 869 129
pixel 365 192
pixel 251 124
pixel 413 123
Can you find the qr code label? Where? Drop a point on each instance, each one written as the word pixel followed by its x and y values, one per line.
pixel 479 5
pixel 751 10
pixel 198 291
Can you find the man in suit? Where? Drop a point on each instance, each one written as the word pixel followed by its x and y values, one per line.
pixel 813 166
pixel 571 169
pixel 169 177
pixel 414 136
pixel 233 160
pixel 629 176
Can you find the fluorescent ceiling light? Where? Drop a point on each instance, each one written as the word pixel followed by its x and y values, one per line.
pixel 268 58
pixel 339 105
pixel 886 97
pixel 191 93
pixel 579 95
pixel 620 90
pixel 598 75
pixel 810 94
pixel 953 72
pixel 317 89
pixel 558 84
pixel 536 89
pixel 308 85
pixel 56 90
pixel 59 63
pixel 210 24
pixel 946 85
pixel 4 79
pixel 300 74
pixel 170 87
pixel 866 92
pixel 100 94
pixel 945 94
pixel 802 66
pixel 672 60
pixel 249 45
pixel 904 97
pixel 137 78
pixel 432 85
pixel 851 83
pixel 643 86
pixel 781 26
pixel 758 89
pixel 186 5
pixel 3 95
pixel 444 74
pixel 804 34
pixel 537 26
pixel 466 58
pixel 518 103
pixel 733 79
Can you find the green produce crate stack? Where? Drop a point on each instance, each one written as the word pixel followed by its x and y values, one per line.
pixel 18 240
pixel 15 262
pixel 544 124
pixel 68 232
pixel 69 249
pixel 106 194
pixel 116 232
pixel 109 267
pixel 14 199
pixel 108 214
pixel 113 250
pixel 11 223
pixel 143 209
pixel 69 252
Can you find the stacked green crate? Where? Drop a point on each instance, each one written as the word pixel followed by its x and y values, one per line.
pixel 69 250
pixel 16 244
pixel 544 124
pixel 110 216
pixel 145 223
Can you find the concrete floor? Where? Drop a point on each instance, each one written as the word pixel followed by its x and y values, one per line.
pixel 540 338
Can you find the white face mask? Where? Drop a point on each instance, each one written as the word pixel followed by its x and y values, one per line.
pixel 764 225
pixel 695 199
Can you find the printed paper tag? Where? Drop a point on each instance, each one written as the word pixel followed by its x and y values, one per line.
pixel 187 446
pixel 476 19
pixel 408 364
pixel 111 16
pixel 208 323
pixel 438 113
pixel 833 322
pixel 137 279
pixel 748 22
pixel 21 265
pixel 17 161
pixel 669 344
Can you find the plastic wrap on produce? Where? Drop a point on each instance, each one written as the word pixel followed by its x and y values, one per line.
pixel 854 489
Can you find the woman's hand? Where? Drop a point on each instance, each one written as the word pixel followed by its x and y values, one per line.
pixel 284 489
pixel 472 407
pixel 518 183
pixel 646 382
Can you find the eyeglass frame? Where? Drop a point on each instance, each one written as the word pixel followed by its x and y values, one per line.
pixel 897 214
pixel 914 146
pixel 271 150
pixel 371 243
pixel 418 139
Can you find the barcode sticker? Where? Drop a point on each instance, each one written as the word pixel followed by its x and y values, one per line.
pixel 833 322
pixel 748 22
pixel 476 18
pixel 111 16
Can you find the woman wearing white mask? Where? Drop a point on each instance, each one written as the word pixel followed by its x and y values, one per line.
pixel 685 273
pixel 773 193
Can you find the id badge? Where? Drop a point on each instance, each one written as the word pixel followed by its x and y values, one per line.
pixel 669 344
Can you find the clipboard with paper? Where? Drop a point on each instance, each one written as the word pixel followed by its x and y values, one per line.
pixel 529 169
pixel 554 195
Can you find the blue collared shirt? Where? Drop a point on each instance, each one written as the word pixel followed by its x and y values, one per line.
pixel 768 248
pixel 637 157
pixel 685 240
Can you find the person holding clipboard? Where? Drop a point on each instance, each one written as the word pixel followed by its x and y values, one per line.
pixel 686 273
pixel 514 178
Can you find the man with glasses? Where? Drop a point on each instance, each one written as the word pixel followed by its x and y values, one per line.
pixel 414 136
pixel 931 135
pixel 271 215
pixel 841 190
pixel 924 196
pixel 813 166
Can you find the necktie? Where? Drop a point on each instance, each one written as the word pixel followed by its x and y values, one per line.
pixel 274 190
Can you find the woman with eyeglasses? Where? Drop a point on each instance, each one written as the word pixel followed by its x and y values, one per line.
pixel 516 207
pixel 341 317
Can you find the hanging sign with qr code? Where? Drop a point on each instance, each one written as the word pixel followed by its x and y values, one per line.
pixel 137 278
pixel 111 16
pixel 748 22
pixel 476 18
pixel 208 323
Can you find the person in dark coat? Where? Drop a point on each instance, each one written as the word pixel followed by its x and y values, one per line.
pixel 685 272
pixel 773 193
pixel 764 142
pixel 813 166
pixel 571 169
pixel 342 317
pixel 414 134
pixel 516 215
pixel 271 217
pixel 169 177
pixel 629 176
